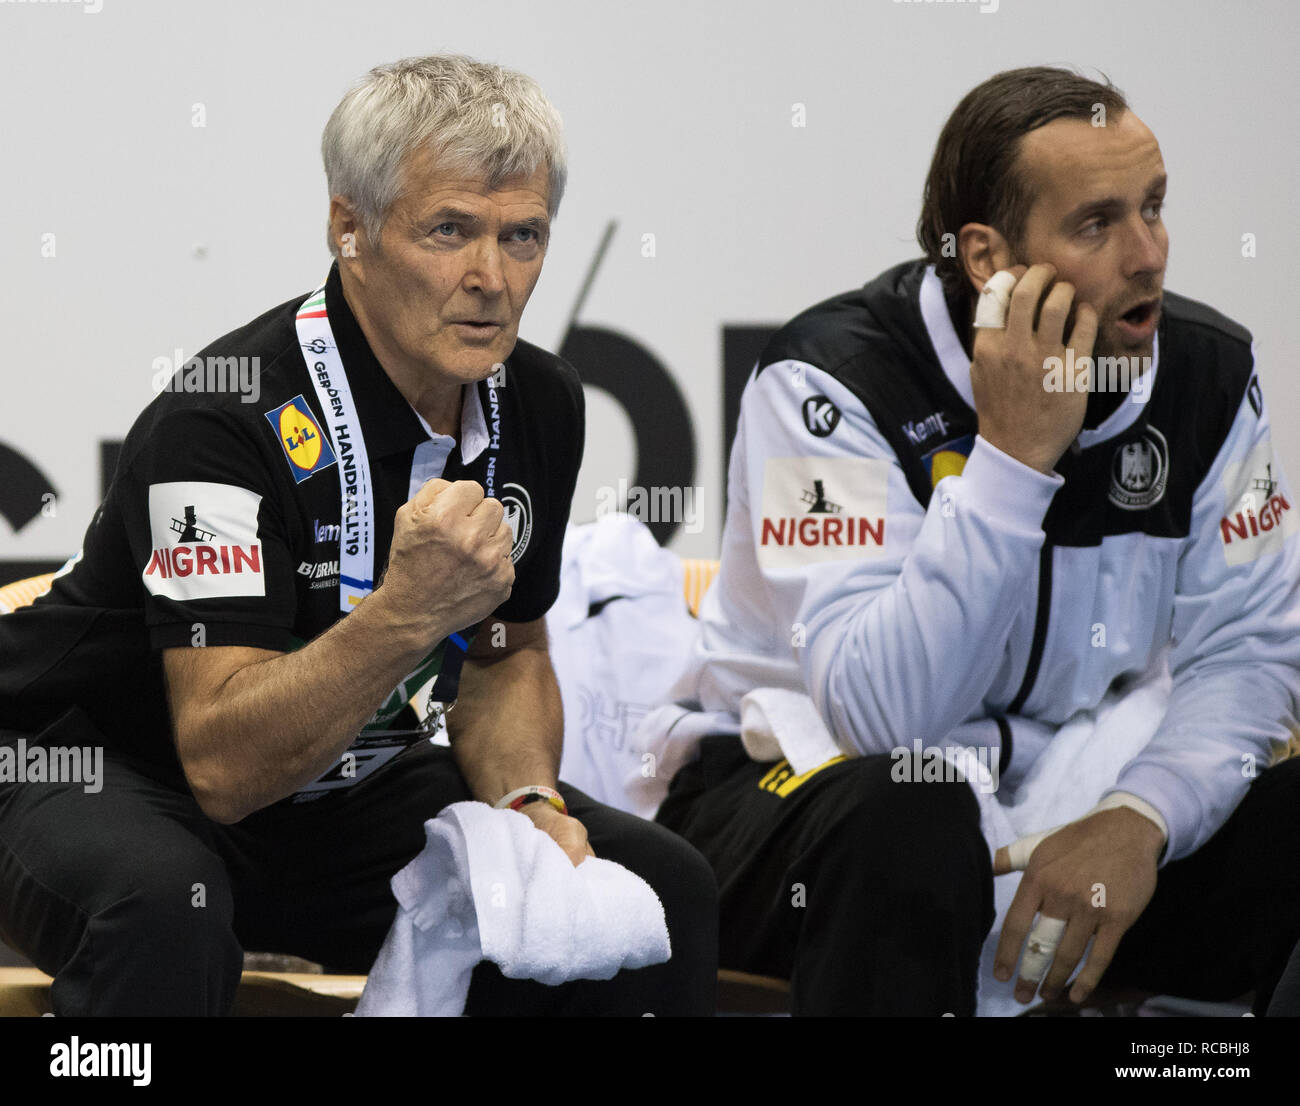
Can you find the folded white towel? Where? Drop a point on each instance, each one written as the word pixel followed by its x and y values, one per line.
pixel 776 723
pixel 491 885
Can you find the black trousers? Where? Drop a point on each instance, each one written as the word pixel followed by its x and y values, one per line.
pixel 874 897
pixel 1286 996
pixel 138 904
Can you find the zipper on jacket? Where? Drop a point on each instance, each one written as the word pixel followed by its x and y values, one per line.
pixel 1040 628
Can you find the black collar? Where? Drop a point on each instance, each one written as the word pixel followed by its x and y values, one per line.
pixel 387 419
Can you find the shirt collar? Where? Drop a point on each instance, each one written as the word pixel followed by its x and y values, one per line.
pixel 943 336
pixel 473 426
pixel 388 421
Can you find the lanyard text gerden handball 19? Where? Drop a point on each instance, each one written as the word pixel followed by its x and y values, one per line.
pixel 357 514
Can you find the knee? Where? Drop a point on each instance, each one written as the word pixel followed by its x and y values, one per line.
pixel 688 890
pixel 929 812
pixel 175 900
pixel 679 875
pixel 910 837
pixel 688 879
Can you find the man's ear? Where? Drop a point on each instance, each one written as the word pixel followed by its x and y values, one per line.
pixel 983 251
pixel 347 235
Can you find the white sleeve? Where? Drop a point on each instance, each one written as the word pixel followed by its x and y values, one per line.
pixel 1236 641
pixel 900 614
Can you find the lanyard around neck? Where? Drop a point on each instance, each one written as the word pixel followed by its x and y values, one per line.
pixel 357 510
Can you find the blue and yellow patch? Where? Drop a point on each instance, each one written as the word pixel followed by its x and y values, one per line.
pixel 948 459
pixel 305 446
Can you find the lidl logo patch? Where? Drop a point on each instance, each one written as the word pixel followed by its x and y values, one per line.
pixel 306 447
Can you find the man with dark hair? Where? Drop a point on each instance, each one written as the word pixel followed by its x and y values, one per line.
pixel 938 536
pixel 285 574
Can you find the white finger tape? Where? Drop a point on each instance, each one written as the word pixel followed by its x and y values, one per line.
pixel 1041 948
pixel 995 299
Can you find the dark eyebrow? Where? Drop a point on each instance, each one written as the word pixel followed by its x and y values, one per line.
pixel 1110 205
pixel 448 214
pixel 539 223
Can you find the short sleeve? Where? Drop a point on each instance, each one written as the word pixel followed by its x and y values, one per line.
pixel 537 580
pixel 206 528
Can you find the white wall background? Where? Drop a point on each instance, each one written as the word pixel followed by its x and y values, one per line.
pixel 679 124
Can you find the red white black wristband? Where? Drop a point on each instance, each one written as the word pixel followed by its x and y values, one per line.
pixel 521 796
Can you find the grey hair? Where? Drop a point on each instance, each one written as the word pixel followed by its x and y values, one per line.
pixel 477 118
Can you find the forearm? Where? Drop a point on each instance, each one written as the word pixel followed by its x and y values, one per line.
pixel 277 724
pixel 1222 728
pixel 507 728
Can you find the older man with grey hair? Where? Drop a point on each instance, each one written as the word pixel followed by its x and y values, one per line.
pixel 266 585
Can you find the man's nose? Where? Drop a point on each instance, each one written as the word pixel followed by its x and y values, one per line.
pixel 485 272
pixel 1144 248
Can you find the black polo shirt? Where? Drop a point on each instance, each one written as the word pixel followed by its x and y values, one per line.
pixel 221 526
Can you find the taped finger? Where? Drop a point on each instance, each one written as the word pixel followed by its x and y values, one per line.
pixel 995 300
pixel 1020 850
pixel 1040 949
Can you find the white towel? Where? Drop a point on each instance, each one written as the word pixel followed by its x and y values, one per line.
pixel 776 723
pixel 491 885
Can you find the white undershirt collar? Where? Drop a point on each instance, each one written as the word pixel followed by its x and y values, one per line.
pixel 430 458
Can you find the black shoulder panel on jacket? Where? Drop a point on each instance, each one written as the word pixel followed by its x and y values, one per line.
pixel 873 340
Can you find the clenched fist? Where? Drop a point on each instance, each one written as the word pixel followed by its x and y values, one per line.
pixel 564 829
pixel 1016 413
pixel 449 564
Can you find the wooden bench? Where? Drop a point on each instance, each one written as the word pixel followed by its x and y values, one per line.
pixel 25 993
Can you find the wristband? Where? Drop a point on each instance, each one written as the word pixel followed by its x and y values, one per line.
pixel 523 795
pixel 1127 798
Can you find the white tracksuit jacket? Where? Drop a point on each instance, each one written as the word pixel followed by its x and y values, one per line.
pixel 909 576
